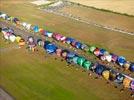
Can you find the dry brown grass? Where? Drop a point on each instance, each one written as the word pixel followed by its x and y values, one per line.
pixel 121 6
pixel 100 17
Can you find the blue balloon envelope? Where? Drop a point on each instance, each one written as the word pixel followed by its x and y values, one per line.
pixel 121 60
pixel 70 55
pixel 75 59
pixel 102 51
pixel 51 48
pixel 99 69
pixel 36 28
pixel 69 40
pixel 132 67
pixel 78 45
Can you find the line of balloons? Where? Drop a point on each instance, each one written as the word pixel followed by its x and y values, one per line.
pixel 70 57
pixel 101 53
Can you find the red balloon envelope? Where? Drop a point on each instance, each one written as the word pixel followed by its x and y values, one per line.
pixel 97 51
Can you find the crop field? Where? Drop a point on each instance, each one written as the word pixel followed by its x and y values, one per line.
pixel 101 17
pixel 38 76
pixel 121 6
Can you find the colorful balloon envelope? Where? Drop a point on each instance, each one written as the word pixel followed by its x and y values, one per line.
pixel 126 82
pixel 12 38
pixel 58 52
pixel 92 48
pixel 106 74
pixel 80 61
pixel 121 60
pixel 131 67
pixel 51 48
pixel 99 69
pixel 18 39
pixel 132 85
pixel 126 65
pixel 87 65
pixel 97 52
pixel 36 28
pixel 75 58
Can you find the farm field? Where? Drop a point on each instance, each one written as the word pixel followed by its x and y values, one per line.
pixel 121 6
pixel 38 76
pixel 101 17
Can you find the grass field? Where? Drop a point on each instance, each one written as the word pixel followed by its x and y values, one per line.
pixel 37 76
pixel 121 6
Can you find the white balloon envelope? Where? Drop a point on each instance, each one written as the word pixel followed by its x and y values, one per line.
pixel 12 38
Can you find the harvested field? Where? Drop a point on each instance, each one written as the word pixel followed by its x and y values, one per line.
pixel 121 6
pixel 100 17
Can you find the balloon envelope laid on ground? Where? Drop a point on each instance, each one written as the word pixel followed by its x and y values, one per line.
pixel 21 42
pixel 78 45
pixel 102 51
pixel 121 60
pixel 71 55
pixel 112 75
pixel 87 65
pixel 97 52
pixel 16 20
pixel 131 67
pixel 119 78
pixel 92 48
pixel 12 38
pixel 64 53
pixel 31 39
pixel 69 40
pixel 48 34
pixel 126 65
pixel 40 42
pixel 58 52
pixel 75 59
pixel 114 57
pixel 36 28
pixel 51 48
pixel 99 69
pixel 80 61
pixel 18 39
pixel 105 74
pixel 126 82
pixel 132 85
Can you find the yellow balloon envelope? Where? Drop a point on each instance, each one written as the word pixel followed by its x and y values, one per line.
pixel 21 42
pixel 126 82
pixel 18 38
pixel 105 74
pixel 127 65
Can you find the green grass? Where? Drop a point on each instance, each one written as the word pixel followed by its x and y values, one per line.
pixel 37 76
pixel 31 76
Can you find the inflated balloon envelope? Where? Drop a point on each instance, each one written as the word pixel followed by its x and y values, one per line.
pixel 132 85
pixel 87 64
pixel 106 74
pixel 80 60
pixel 12 38
pixel 36 28
pixel 92 48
